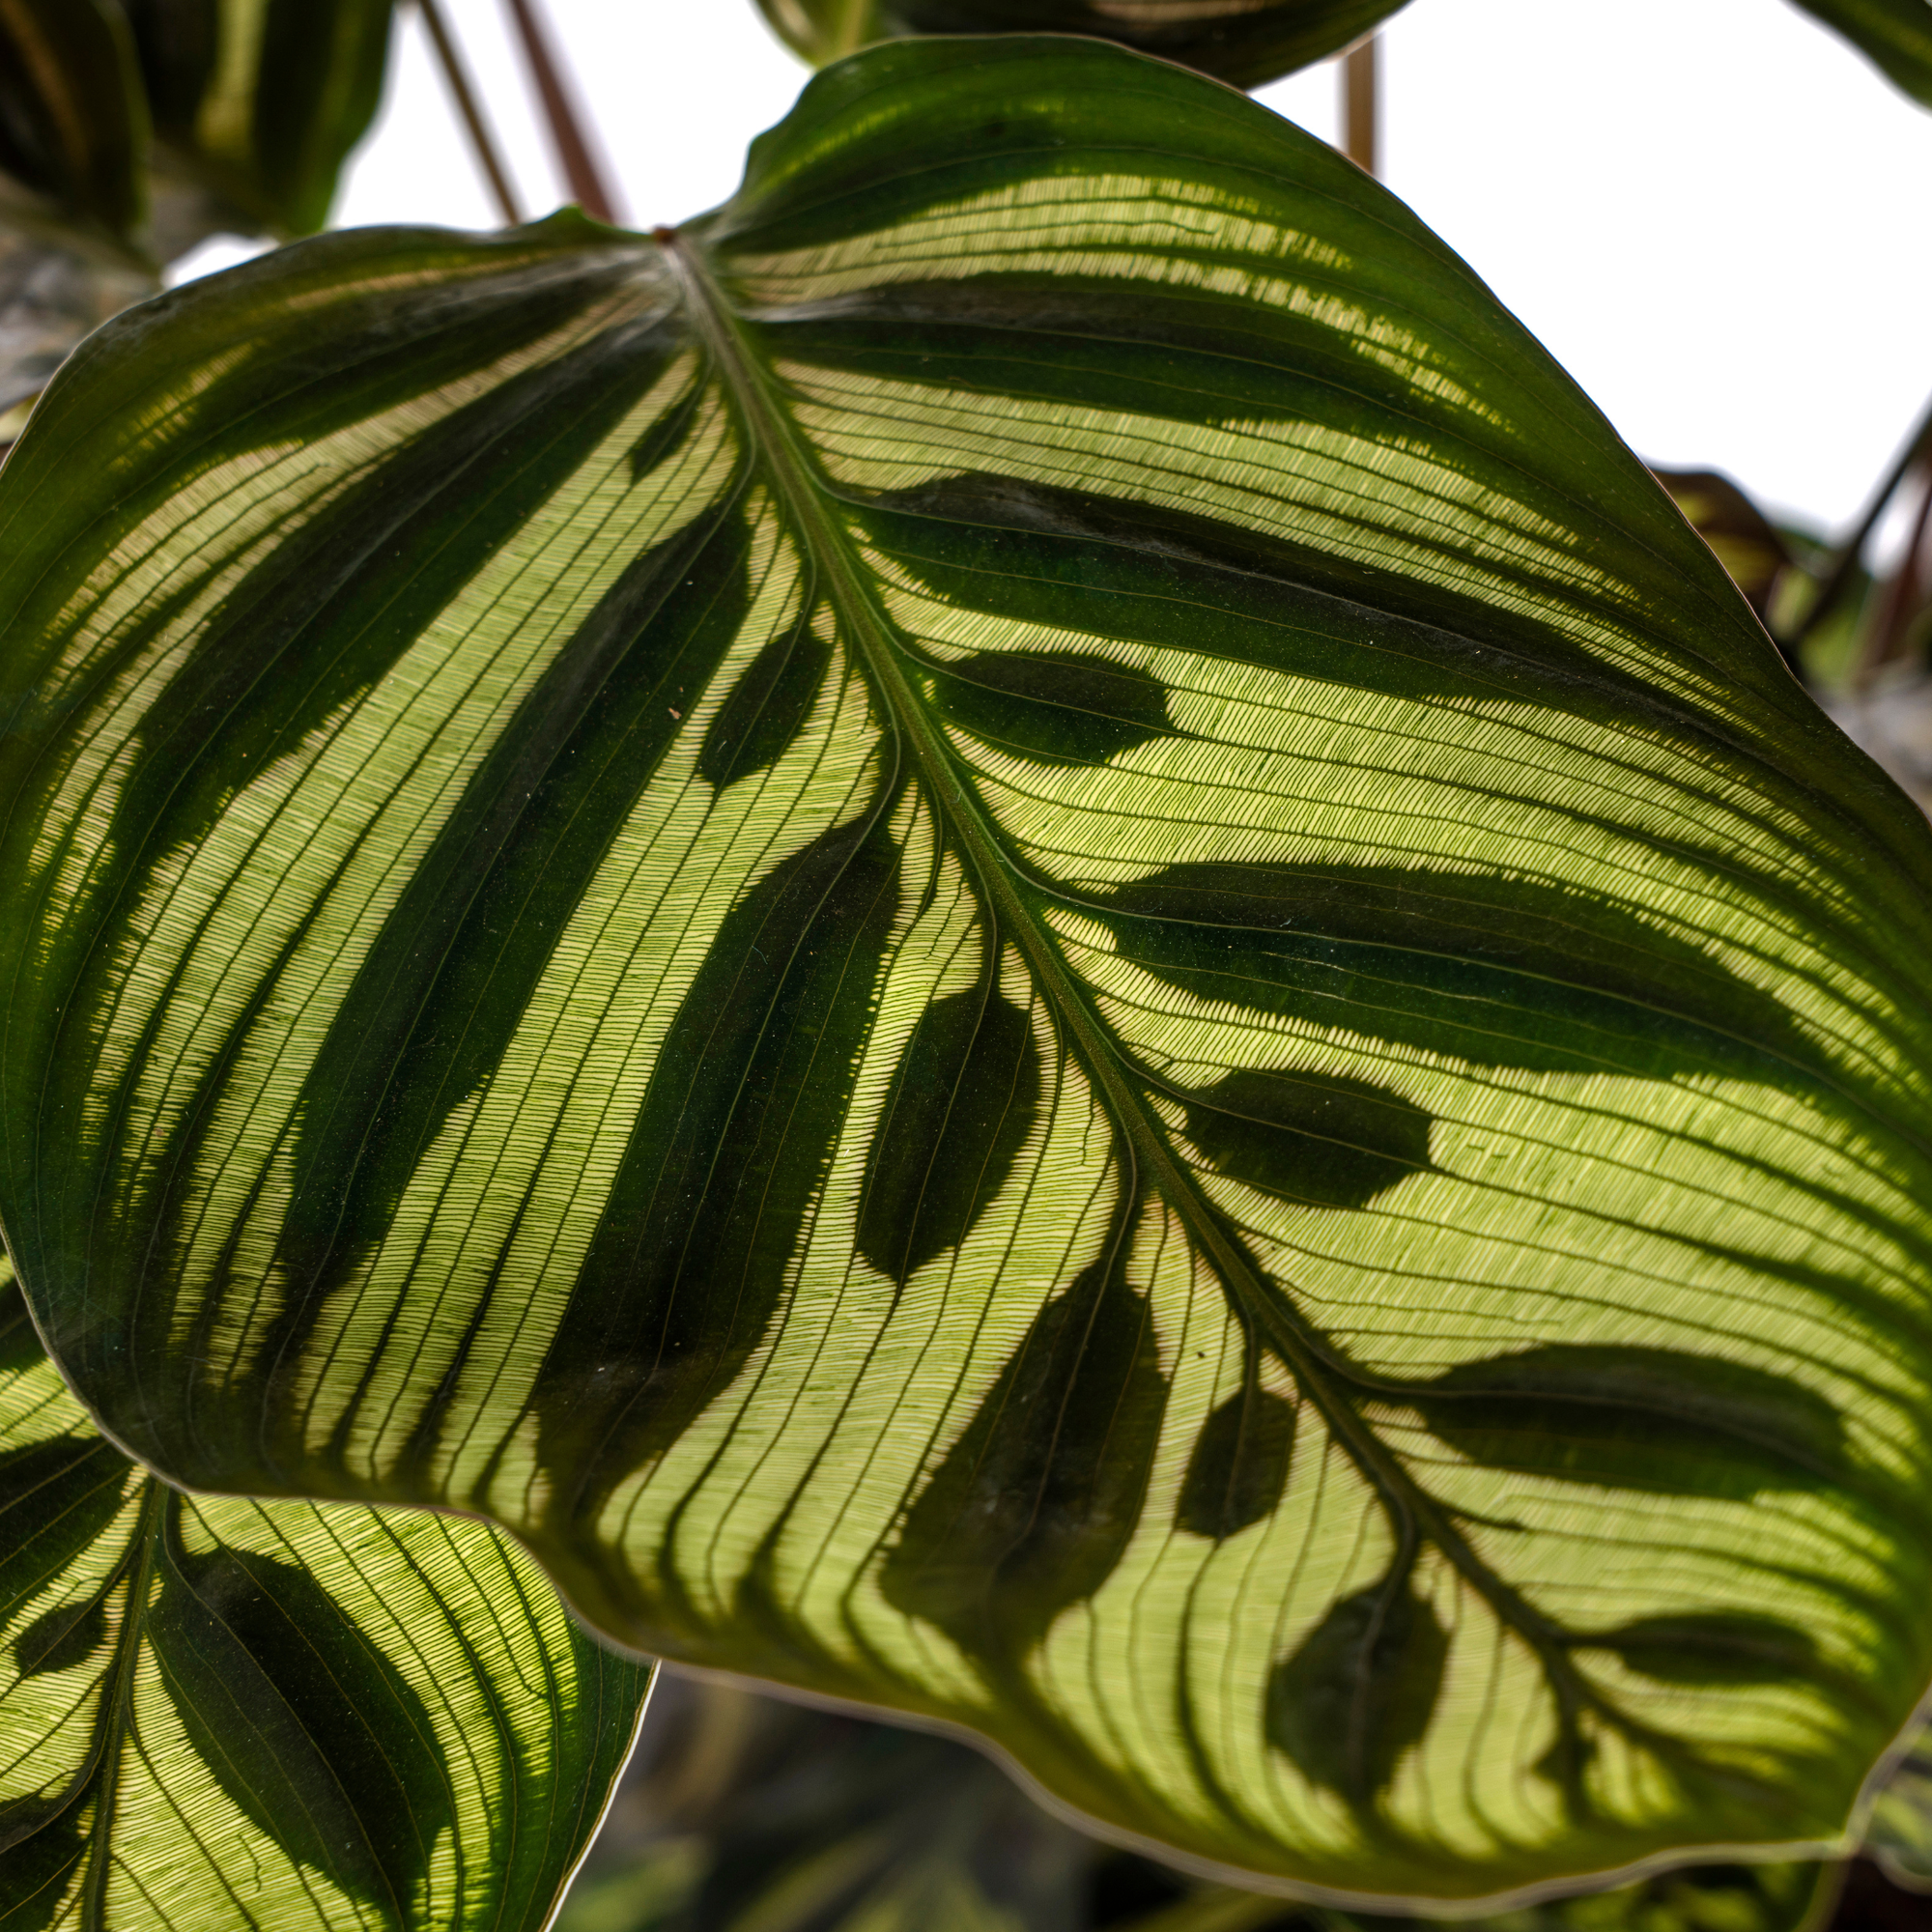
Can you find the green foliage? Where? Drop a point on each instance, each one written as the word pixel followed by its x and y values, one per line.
pixel 1251 42
pixel 140 126
pixel 220 1712
pixel 1245 41
pixel 1017 937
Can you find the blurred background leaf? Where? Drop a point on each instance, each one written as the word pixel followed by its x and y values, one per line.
pixel 743 1813
pixel 1245 41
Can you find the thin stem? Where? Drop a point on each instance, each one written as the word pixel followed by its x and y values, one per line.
pixel 481 141
pixel 1360 101
pixel 1902 595
pixel 566 128
pixel 1845 560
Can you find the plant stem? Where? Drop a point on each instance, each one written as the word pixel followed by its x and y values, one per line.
pixel 1360 92
pixel 1845 559
pixel 481 141
pixel 566 129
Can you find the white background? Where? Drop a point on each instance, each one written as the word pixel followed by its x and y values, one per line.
pixel 1713 212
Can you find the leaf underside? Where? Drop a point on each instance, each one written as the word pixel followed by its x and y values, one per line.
pixel 1018 938
pixel 217 1713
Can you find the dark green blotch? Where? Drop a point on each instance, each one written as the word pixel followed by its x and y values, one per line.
pixel 666 434
pixel 311 1731
pixel 1713 1647
pixel 1360 1690
pixel 767 707
pixel 57 1499
pixel 1320 1139
pixel 1498 971
pixel 1239 1470
pixel 723 1169
pixel 1033 1506
pixel 1057 707
pixel 61 1638
pixel 19 1342
pixel 1654 1419
pixel 963 1100
pixel 41 1841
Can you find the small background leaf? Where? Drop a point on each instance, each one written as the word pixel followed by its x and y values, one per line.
pixel 1246 42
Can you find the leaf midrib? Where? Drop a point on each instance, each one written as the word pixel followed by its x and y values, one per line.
pixel 1415 1516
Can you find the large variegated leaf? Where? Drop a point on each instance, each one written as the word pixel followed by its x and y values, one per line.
pixel 223 1713
pixel 1018 937
pixel 1246 42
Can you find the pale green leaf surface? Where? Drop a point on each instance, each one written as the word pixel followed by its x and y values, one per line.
pixel 1017 937
pixel 277 1717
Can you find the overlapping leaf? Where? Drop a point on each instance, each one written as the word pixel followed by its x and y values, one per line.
pixel 1901 1824
pixel 1246 42
pixel 1251 41
pixel 217 1713
pixel 1018 936
pixel 1894 34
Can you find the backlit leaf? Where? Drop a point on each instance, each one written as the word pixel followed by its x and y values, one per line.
pixel 217 1713
pixel 1018 936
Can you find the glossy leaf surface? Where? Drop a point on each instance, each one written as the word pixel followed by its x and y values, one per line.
pixel 1245 41
pixel 1018 937
pixel 217 1713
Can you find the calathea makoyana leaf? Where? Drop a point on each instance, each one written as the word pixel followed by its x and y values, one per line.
pixel 217 1713
pixel 1018 936
pixel 1246 42
pixel 1894 34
